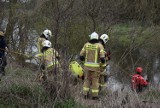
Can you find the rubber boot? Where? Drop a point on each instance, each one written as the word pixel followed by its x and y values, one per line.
pixel 95 98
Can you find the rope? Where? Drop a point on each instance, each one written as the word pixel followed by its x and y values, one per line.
pixel 27 55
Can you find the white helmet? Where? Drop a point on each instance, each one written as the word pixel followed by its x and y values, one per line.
pixel 94 35
pixel 46 43
pixel 47 33
pixel 104 37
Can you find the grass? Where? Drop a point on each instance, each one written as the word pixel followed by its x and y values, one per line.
pixel 151 95
pixel 21 91
pixel 18 89
pixel 71 103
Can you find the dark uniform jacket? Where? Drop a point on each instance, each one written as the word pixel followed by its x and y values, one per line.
pixel 2 46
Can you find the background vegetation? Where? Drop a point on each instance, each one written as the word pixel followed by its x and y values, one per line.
pixel 132 25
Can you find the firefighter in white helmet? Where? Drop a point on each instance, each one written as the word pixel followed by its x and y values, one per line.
pixel 93 56
pixel 44 36
pixel 104 38
pixel 104 77
pixel 50 60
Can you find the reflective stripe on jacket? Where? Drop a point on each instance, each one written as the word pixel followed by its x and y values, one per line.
pixel 92 54
pixel 49 57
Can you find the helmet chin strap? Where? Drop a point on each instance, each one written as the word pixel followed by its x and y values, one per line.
pixel 48 33
pixel 106 41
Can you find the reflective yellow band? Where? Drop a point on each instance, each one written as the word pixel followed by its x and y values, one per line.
pixel 52 63
pixel 92 64
pixel 91 48
pixel 86 55
pixel 39 55
pixel 102 51
pixel 92 45
pixel 103 85
pixel 95 91
pixel 86 89
pixel 96 56
pixel 104 65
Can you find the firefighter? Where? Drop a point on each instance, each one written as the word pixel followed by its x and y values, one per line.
pixel 44 36
pixel 104 77
pixel 3 49
pixel 50 60
pixel 138 82
pixel 93 56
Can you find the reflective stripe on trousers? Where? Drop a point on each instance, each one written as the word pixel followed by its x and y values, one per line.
pixel 95 90
pixel 85 89
pixel 103 85
pixel 52 63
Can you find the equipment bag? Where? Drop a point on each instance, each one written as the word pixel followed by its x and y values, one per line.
pixel 76 68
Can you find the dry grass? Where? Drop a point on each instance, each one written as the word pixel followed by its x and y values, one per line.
pixel 18 89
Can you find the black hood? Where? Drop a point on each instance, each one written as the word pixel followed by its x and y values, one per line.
pixel 93 41
pixel 44 49
pixel 101 41
pixel 43 36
